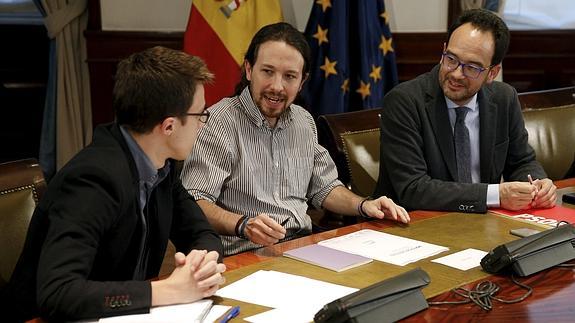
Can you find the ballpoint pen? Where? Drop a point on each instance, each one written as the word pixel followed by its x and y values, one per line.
pixel 284 222
pixel 531 182
pixel 229 314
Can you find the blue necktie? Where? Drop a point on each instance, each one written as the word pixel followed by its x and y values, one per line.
pixel 462 146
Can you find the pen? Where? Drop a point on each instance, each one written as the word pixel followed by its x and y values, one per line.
pixel 284 222
pixel 229 314
pixel 531 182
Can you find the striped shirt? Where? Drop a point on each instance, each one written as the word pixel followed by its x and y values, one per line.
pixel 248 168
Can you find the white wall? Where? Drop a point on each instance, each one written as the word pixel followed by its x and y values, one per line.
pixel 172 15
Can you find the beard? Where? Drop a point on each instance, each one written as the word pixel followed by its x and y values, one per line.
pixel 460 93
pixel 272 105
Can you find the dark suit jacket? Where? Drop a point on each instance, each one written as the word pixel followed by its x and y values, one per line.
pixel 417 165
pixel 85 235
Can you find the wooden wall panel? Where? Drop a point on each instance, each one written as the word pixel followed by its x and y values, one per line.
pixel 23 77
pixel 537 60
pixel 105 50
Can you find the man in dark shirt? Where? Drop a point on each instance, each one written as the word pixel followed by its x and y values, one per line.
pixel 100 232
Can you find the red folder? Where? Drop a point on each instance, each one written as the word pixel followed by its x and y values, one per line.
pixel 548 217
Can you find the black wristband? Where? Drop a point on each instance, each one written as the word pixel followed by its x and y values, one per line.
pixel 242 228
pixel 238 230
pixel 360 209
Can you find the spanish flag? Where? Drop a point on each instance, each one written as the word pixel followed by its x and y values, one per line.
pixel 220 31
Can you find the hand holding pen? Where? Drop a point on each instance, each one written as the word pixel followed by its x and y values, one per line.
pixel 264 230
pixel 545 192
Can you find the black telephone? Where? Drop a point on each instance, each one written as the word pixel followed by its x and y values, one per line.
pixel 569 198
pixel 387 301
pixel 533 253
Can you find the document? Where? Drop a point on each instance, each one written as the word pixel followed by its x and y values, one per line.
pixel 325 257
pixel 285 291
pixel 463 260
pixel 281 315
pixel 191 312
pixel 384 247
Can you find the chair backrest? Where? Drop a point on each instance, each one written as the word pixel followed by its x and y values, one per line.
pixel 547 98
pixel 352 139
pixel 549 119
pixel 362 154
pixel 552 136
pixel 21 187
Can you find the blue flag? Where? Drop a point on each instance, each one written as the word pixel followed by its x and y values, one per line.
pixel 353 60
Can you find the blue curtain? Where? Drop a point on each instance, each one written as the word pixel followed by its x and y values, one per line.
pixel 47 149
pixel 353 59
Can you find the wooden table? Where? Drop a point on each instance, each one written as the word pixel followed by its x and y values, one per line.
pixel 553 298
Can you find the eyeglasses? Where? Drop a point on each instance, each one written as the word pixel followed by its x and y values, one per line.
pixel 471 71
pixel 203 116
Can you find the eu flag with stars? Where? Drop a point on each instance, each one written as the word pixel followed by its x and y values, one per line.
pixel 353 60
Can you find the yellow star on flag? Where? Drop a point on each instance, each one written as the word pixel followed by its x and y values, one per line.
pixel 345 86
pixel 329 67
pixel 324 4
pixel 364 90
pixel 385 45
pixel 321 35
pixel 375 73
pixel 385 16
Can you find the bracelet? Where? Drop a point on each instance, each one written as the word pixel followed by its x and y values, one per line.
pixel 360 208
pixel 240 226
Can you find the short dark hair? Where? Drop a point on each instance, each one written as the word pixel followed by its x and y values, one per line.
pixel 485 20
pixel 154 84
pixel 280 31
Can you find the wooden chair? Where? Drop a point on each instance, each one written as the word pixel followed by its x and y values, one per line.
pixel 21 187
pixel 549 119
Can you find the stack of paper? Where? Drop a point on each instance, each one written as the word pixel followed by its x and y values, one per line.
pixel 192 312
pixel 329 258
pixel 384 247
pixel 286 293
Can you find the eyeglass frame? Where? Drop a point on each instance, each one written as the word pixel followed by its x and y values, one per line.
pixel 481 69
pixel 205 114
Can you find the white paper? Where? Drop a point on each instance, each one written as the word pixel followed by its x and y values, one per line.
pixel 384 247
pixel 284 291
pixel 215 312
pixel 185 313
pixel 281 315
pixel 463 260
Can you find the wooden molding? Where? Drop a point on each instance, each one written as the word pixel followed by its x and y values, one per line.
pixel 537 60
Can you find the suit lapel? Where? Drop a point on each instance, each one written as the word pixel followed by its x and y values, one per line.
pixel 487 120
pixel 439 117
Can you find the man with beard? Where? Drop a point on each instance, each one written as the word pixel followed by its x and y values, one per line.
pixel 257 161
pixel 453 139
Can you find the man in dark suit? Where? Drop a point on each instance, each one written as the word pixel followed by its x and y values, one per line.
pixel 453 139
pixel 100 232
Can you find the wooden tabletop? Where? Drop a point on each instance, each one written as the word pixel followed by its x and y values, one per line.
pixel 552 299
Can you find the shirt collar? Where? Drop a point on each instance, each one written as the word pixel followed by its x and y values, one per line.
pixel 254 114
pixel 472 104
pixel 146 171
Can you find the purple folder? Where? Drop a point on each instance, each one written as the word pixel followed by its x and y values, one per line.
pixel 327 257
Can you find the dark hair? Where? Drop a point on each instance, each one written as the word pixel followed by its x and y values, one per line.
pixel 485 20
pixel 280 31
pixel 154 84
